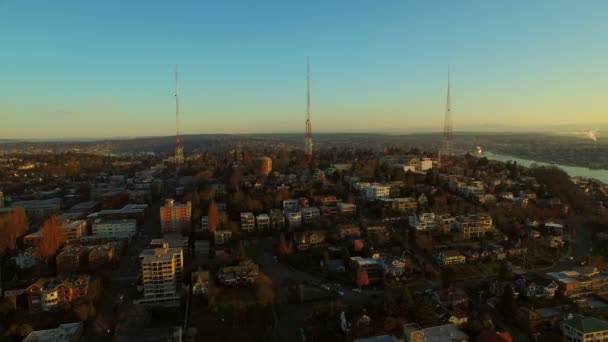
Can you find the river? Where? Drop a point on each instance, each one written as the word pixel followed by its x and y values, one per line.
pixel 573 171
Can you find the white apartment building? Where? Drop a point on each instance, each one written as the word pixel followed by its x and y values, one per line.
pixel 120 229
pixel 175 217
pixel 263 221
pixel 247 222
pixel 310 214
pixel 377 192
pixel 162 271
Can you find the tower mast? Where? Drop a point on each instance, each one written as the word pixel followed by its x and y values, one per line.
pixel 308 137
pixel 179 149
pixel 447 149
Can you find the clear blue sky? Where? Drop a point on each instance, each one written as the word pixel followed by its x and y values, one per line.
pixel 106 68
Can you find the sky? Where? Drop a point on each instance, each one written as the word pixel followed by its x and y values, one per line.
pixel 91 69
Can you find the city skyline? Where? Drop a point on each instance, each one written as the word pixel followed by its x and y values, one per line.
pixel 97 71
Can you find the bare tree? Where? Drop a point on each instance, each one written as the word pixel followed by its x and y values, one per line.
pixel 52 238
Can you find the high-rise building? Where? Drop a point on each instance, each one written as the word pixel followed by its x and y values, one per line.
pixel 162 270
pixel 120 229
pixel 175 217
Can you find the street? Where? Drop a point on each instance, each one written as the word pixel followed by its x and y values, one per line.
pixel 122 281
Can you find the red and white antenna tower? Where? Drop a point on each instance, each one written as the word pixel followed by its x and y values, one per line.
pixel 447 145
pixel 308 157
pixel 179 149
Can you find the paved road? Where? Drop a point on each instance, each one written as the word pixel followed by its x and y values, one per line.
pixel 291 316
pixel 122 281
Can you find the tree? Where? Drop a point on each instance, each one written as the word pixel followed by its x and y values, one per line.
pixel 12 226
pixel 285 248
pixel 214 217
pixel 84 310
pixel 406 302
pixel 241 254
pixel 52 238
pixel 263 289
pixel 23 330
pixel 424 312
pixel 508 307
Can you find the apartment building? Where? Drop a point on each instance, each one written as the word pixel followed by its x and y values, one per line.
pixel 247 222
pixel 310 214
pixel 162 271
pixel 262 221
pixel 403 204
pixel 474 226
pixel 581 328
pixel 222 236
pixel 39 209
pixel 347 208
pixel 277 219
pixel 73 230
pixel 72 258
pixel 377 192
pixel 294 219
pixel 114 229
pixel 175 217
pixel 204 224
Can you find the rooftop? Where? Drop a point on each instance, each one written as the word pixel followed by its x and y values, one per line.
pixel 63 333
pixel 586 325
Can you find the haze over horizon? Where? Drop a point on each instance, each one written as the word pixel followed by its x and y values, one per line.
pixel 76 70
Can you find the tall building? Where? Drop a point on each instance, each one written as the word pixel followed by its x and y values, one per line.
pixel 162 271
pixel 175 217
pixel 120 229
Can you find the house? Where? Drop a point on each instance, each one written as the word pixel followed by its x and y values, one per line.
pixel 448 332
pixel 424 221
pixel 306 239
pixel 451 257
pixel 581 328
pixel 396 268
pixel 458 316
pixel 474 226
pixel 48 293
pixel 368 271
pixel 243 273
pixel 27 258
pixel 533 318
pixel 554 241
pixel 540 287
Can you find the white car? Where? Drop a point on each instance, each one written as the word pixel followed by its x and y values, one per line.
pixel 341 294
pixel 357 290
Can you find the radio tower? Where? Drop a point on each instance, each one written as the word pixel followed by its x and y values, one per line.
pixel 179 149
pixel 308 158
pixel 446 150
